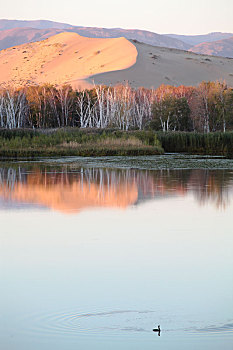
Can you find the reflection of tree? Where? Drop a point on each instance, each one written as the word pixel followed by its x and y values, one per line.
pixel 72 189
pixel 9 177
pixel 207 186
pixel 212 186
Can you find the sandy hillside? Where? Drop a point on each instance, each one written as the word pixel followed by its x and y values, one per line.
pixel 156 66
pixel 64 58
pixel 70 58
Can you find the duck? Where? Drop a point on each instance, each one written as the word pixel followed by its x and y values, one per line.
pixel 157 329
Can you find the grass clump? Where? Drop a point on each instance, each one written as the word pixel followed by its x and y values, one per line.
pixel 77 142
pixel 215 143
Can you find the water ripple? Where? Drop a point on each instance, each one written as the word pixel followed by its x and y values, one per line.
pixel 214 329
pixel 85 323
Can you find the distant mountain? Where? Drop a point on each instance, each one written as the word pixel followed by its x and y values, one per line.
pixel 90 32
pixel 217 48
pixel 133 34
pixel 193 40
pixel 39 24
pixel 18 36
pixel 14 32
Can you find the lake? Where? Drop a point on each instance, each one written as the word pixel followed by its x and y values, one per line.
pixel 96 252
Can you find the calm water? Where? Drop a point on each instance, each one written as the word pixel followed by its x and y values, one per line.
pixel 96 252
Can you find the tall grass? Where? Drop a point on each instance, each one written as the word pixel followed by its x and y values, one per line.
pixel 216 143
pixel 64 142
pixel 91 142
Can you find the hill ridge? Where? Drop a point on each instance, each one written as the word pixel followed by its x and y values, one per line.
pixel 222 48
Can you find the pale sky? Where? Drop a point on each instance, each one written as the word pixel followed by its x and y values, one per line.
pixel 164 16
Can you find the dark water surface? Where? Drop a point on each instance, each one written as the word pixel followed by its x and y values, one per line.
pixel 96 252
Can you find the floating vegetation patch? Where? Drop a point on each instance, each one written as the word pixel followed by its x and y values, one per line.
pixel 157 162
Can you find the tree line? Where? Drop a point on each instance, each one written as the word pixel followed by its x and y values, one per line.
pixel 205 108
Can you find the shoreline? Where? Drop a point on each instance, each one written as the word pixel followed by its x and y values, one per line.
pixel 35 143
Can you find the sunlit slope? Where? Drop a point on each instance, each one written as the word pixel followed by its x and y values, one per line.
pixel 68 58
pixel 157 65
pixel 64 58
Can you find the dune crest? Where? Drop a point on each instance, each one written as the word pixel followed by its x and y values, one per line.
pixel 160 65
pixel 68 58
pixel 64 58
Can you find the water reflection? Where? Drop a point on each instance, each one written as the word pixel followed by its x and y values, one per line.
pixel 72 189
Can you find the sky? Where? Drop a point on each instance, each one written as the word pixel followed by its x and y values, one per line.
pixel 163 16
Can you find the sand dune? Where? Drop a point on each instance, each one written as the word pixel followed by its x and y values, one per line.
pixel 68 58
pixel 157 65
pixel 64 58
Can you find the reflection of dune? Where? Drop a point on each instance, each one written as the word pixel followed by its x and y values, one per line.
pixel 71 196
pixel 76 196
pixel 67 190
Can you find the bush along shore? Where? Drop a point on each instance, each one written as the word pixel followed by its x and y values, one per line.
pixel 215 144
pixel 110 142
pixel 77 142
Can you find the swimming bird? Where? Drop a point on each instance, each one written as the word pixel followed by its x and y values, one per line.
pixel 157 330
